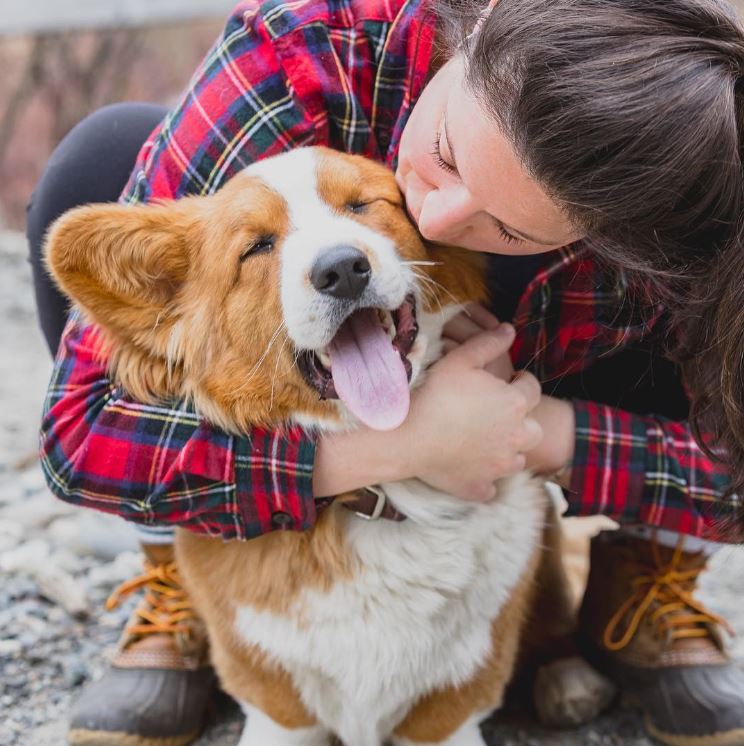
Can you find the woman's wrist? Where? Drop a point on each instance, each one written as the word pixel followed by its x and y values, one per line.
pixel 349 461
pixel 555 453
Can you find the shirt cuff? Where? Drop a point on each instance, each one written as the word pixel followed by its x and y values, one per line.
pixel 274 481
pixel 609 465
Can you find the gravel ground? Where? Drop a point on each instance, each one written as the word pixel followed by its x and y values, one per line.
pixel 58 564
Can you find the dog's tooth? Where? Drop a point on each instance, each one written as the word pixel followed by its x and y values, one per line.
pixel 324 359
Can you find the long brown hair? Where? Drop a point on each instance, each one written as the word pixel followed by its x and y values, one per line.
pixel 629 113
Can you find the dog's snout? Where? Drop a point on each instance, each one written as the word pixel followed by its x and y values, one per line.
pixel 342 272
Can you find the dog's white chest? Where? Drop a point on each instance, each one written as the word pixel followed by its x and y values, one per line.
pixel 415 618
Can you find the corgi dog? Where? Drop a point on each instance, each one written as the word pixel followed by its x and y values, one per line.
pixel 300 294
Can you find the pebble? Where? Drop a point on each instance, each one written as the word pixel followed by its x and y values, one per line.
pixel 62 588
pixel 26 557
pixel 36 511
pixel 96 534
pixel 10 648
pixel 126 565
pixel 76 671
pixel 11 534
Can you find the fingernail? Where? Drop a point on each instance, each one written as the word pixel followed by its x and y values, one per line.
pixel 505 330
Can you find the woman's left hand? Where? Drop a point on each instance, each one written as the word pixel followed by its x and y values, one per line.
pixel 555 416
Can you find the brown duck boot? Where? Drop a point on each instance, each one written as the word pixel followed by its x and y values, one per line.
pixel 156 691
pixel 646 631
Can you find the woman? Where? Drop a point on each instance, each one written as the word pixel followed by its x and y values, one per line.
pixel 591 148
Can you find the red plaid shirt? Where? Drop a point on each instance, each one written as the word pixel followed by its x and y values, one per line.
pixel 344 74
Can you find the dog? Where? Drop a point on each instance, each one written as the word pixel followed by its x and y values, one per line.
pixel 300 293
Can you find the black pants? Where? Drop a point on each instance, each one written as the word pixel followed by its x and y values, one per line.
pixel 91 164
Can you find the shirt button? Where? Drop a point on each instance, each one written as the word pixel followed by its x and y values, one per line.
pixel 280 519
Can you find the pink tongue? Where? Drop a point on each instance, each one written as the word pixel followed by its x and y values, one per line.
pixel 368 373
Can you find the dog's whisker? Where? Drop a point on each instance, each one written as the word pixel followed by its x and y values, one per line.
pixel 276 366
pixel 430 286
pixel 254 370
pixel 438 286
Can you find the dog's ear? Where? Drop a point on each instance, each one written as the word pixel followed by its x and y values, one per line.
pixel 124 266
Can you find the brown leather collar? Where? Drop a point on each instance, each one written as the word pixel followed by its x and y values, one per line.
pixel 370 503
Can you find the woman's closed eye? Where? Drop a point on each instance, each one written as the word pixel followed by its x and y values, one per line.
pixel 436 153
pixel 508 237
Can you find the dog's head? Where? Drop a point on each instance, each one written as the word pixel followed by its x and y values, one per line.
pixel 300 283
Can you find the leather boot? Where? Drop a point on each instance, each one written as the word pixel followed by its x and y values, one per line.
pixel 645 630
pixel 156 691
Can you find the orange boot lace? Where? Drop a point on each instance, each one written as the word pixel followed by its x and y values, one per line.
pixel 166 608
pixel 668 590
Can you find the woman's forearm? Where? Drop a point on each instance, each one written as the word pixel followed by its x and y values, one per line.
pixel 555 453
pixel 348 461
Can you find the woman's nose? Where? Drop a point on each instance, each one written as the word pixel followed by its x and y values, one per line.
pixel 445 212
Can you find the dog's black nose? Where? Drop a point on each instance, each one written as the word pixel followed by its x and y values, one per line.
pixel 342 272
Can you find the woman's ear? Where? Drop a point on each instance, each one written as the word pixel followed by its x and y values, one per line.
pixel 125 266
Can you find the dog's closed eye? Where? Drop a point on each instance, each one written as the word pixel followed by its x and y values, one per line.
pixel 260 246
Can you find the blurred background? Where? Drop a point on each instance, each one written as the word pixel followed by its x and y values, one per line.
pixel 59 61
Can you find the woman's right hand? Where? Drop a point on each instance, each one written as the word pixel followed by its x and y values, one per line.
pixel 467 427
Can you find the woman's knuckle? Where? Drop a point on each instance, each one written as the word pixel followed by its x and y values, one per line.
pixel 519 403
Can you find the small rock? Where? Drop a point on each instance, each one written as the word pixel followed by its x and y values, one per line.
pixel 10 647
pixel 95 534
pixel 26 557
pixel 32 481
pixel 67 561
pixel 61 588
pixel 76 671
pixel 36 511
pixel 11 535
pixel 126 566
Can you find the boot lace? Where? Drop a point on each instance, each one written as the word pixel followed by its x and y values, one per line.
pixel 166 607
pixel 666 594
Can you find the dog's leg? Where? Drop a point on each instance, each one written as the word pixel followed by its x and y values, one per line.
pixel 467 735
pixel 261 730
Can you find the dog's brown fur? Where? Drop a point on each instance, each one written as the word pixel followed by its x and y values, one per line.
pixel 181 316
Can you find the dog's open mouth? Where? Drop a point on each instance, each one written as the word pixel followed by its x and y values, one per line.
pixel 366 364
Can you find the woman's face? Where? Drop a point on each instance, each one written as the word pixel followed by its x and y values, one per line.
pixel 462 181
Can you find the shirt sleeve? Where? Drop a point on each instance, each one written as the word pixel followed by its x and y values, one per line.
pixel 648 469
pixel 161 464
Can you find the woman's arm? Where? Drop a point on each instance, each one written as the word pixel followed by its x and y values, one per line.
pixel 634 468
pixel 648 469
pixel 163 465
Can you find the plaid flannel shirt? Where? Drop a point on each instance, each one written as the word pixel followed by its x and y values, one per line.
pixel 342 73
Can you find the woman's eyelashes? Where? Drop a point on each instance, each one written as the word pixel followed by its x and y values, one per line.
pixel 508 236
pixel 436 154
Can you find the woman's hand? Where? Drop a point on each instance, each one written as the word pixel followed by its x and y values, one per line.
pixel 555 417
pixel 467 427
pixel 475 319
pixel 469 424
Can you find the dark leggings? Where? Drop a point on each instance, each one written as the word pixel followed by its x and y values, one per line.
pixel 91 164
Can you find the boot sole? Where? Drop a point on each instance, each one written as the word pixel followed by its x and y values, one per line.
pixel 728 738
pixel 83 737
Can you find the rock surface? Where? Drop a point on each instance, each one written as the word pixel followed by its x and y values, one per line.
pixel 59 564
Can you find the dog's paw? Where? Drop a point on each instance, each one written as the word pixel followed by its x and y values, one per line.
pixel 569 692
